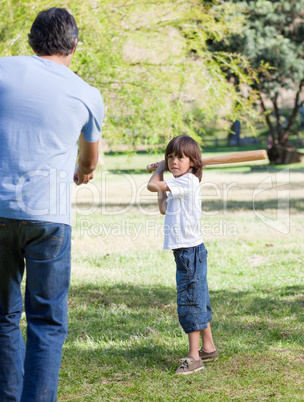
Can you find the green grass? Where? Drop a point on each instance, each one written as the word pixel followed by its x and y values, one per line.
pixel 124 338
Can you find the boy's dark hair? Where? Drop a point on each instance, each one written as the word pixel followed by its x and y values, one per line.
pixel 185 145
pixel 53 32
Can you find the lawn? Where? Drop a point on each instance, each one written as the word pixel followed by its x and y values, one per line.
pixel 124 339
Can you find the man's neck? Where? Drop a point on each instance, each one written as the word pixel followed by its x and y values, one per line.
pixel 59 59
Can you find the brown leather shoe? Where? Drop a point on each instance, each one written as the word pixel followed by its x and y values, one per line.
pixel 208 355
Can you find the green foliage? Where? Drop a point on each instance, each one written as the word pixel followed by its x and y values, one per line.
pixel 273 37
pixel 149 60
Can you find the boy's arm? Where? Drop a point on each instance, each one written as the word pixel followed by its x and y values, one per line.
pixel 157 184
pixel 162 202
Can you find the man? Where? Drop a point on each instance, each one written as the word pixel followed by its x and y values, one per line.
pixel 46 111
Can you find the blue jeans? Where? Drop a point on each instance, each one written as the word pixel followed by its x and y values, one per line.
pixel 193 301
pixel 31 373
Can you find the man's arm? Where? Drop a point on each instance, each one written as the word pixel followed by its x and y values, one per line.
pixel 157 184
pixel 87 160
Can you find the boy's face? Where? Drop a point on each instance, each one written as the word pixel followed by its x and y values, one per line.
pixel 179 165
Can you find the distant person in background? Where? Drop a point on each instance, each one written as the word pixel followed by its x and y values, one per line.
pixel 235 133
pixel 302 117
pixel 299 142
pixel 46 111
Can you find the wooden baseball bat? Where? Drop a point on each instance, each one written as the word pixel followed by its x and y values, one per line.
pixel 237 157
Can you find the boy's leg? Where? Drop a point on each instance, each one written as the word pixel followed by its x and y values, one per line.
pixel 207 339
pixel 207 352
pixel 192 362
pixel 11 340
pixel 47 254
pixel 194 340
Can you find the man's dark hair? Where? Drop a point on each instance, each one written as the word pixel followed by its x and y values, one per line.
pixel 185 145
pixel 53 32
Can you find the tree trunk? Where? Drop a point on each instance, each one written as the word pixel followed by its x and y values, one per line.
pixel 278 154
pixel 279 151
pixel 268 121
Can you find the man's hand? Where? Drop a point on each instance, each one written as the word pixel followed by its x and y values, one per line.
pixel 87 161
pixel 82 178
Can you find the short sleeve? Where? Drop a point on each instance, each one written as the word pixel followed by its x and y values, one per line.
pixel 180 186
pixel 92 128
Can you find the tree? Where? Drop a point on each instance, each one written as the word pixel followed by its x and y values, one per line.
pixel 150 61
pixel 273 42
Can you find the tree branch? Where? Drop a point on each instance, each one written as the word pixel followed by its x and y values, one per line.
pixel 277 114
pixel 271 130
pixel 291 120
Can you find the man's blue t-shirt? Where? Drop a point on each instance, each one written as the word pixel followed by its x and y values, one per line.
pixel 44 107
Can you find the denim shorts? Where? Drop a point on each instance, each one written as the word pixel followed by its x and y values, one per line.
pixel 193 302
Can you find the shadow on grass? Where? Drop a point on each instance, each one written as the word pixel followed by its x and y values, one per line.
pixel 123 312
pixel 212 205
pixel 294 168
pixel 124 343
pixel 239 205
pixel 127 334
